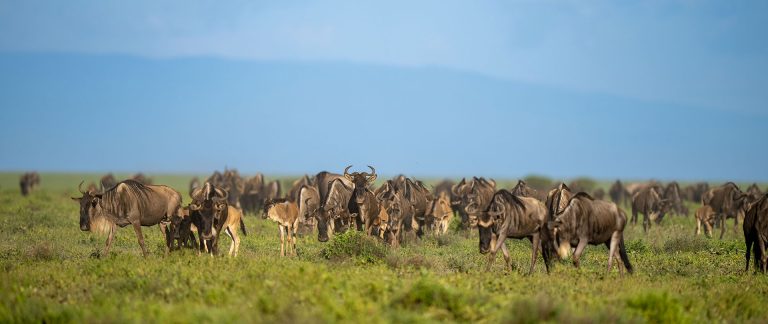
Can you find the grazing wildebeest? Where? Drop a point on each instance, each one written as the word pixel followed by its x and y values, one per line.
pixel 673 195
pixel 588 221
pixel 756 232
pixel 618 194
pixel 728 202
pixel 368 205
pixel 442 213
pixel 216 216
pixel 286 215
pixel 128 203
pixel 107 181
pixel 648 202
pixel 511 216
pixel 28 181
pixel 705 216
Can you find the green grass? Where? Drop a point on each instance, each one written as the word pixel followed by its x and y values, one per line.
pixel 47 273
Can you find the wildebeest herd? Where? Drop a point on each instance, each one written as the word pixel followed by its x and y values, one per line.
pixel 558 221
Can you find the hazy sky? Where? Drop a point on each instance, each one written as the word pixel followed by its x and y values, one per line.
pixel 665 89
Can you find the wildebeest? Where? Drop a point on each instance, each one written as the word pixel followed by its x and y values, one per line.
pixel 140 177
pixel 756 232
pixel 182 230
pixel 727 201
pixel 556 201
pixel 216 216
pixel 588 221
pixel 128 203
pixel 286 214
pixel 511 216
pixel 107 181
pixel 368 206
pixel 308 200
pixel 673 195
pixel 478 197
pixel 694 192
pixel 421 200
pixel 618 194
pixel 648 202
pixel 705 216
pixel 251 198
pixel 326 218
pixel 442 213
pixel 459 202
pixel 28 181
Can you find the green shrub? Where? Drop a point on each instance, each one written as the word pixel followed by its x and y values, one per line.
pixel 435 300
pixel 685 244
pixel 355 244
pixel 657 308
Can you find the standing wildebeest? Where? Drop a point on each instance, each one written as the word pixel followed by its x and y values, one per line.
pixel 286 215
pixel 368 206
pixel 396 207
pixel 28 181
pixel 588 221
pixel 618 194
pixel 478 196
pixel 511 216
pixel 216 216
pixel 728 202
pixel 107 181
pixel 442 212
pixel 672 193
pixel 326 218
pixel 705 216
pixel 182 231
pixel 649 202
pixel 756 232
pixel 128 203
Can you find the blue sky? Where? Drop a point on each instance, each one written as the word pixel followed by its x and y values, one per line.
pixel 650 89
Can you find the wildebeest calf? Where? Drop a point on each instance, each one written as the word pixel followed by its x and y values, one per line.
pixel 286 215
pixel 705 216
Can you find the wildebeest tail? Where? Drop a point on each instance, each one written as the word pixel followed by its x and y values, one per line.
pixel 624 256
pixel 242 227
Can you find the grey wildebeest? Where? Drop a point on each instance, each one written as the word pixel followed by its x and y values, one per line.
pixel 286 214
pixel 511 216
pixel 649 202
pixel 588 221
pixel 28 181
pixel 216 216
pixel 368 206
pixel 128 203
pixel 728 202
pixel 756 232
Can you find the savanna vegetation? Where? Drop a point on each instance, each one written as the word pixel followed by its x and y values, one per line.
pixel 51 271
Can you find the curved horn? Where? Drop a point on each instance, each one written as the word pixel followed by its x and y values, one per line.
pixel 80 187
pixel 373 176
pixel 346 170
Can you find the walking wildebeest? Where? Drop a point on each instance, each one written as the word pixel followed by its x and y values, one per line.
pixel 128 203
pixel 588 221
pixel 216 216
pixel 618 194
pixel 649 202
pixel 511 216
pixel 756 232
pixel 728 202
pixel 28 181
pixel 286 214
pixel 705 216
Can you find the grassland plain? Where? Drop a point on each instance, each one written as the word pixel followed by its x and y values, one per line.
pixel 48 272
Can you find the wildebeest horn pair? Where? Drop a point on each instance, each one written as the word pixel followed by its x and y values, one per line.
pixel 369 177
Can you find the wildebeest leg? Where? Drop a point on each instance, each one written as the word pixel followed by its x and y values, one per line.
pixel 140 237
pixel 748 240
pixel 235 241
pixel 698 227
pixel 494 247
pixel 722 226
pixel 111 237
pixel 536 241
pixel 763 257
pixel 578 252
pixel 505 252
pixel 282 240
pixel 646 221
pixel 615 237
pixel 168 239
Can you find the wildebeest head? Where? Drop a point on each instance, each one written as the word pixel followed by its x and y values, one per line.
pixel 89 207
pixel 209 201
pixel 361 181
pixel 562 229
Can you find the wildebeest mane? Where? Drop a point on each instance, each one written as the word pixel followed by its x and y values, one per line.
pixel 580 195
pixel 509 197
